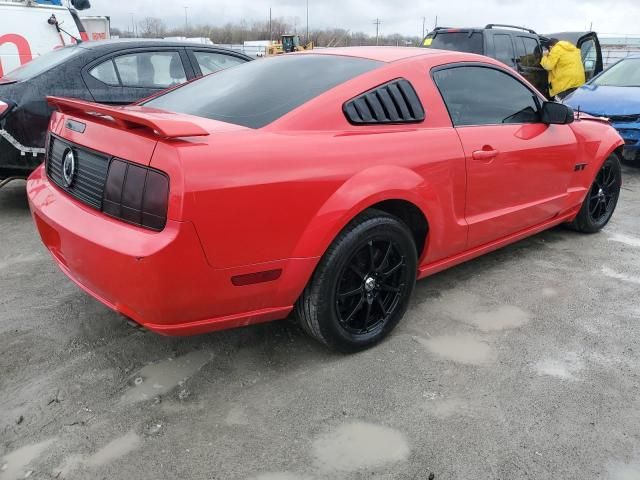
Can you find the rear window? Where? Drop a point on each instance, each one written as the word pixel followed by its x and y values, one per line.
pixel 257 93
pixel 41 64
pixel 470 42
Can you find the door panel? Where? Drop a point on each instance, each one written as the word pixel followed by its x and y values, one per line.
pixel 518 169
pixel 523 184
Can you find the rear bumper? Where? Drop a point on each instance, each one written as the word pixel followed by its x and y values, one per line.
pixel 161 280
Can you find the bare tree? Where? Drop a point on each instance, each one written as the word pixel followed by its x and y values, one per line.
pixel 243 31
pixel 152 27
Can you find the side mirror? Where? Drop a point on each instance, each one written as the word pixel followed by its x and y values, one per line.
pixel 554 113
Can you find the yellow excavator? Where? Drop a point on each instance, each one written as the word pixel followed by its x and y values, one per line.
pixel 288 44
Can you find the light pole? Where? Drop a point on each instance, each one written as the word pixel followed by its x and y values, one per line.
pixel 307 21
pixel 186 21
pixel 377 24
pixel 133 26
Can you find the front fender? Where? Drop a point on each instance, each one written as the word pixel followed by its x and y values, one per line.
pixel 611 141
pixel 597 141
pixel 367 188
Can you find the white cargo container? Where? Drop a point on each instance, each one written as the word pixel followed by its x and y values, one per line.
pixel 97 28
pixel 28 29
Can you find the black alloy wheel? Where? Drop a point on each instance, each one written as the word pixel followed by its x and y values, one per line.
pixel 362 285
pixel 370 287
pixel 604 193
pixel 602 198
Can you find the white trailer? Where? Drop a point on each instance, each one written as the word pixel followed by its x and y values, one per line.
pixel 97 28
pixel 29 29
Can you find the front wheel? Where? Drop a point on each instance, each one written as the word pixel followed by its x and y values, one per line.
pixel 361 288
pixel 600 203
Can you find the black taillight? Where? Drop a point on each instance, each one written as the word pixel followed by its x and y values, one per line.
pixel 136 194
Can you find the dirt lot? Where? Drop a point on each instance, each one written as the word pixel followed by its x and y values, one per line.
pixel 522 364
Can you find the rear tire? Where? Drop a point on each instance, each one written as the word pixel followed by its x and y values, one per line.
pixel 602 198
pixel 362 285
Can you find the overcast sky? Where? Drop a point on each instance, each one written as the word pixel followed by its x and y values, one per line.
pixel 398 16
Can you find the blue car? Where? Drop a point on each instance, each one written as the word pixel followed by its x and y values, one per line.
pixel 615 94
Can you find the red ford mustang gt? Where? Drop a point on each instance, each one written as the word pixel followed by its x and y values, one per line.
pixel 324 182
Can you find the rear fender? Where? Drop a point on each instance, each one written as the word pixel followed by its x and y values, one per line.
pixel 360 192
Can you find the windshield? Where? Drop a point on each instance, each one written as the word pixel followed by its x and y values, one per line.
pixel 41 64
pixel 257 93
pixel 470 42
pixel 623 74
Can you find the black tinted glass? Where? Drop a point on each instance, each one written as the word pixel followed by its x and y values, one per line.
pixel 485 96
pixel 529 52
pixel 470 42
pixel 257 93
pixel 504 49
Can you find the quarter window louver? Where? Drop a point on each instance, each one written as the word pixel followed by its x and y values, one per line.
pixel 392 102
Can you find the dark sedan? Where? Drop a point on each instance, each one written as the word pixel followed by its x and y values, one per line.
pixel 115 72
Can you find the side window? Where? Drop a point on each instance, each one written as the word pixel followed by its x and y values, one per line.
pixel 150 69
pixel 529 52
pixel 106 73
pixel 503 47
pixel 476 95
pixel 211 62
pixel 589 57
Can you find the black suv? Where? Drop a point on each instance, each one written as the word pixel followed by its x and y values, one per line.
pixel 519 48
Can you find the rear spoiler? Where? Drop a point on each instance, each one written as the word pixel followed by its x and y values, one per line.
pixel 165 124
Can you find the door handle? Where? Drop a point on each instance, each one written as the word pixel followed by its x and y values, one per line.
pixel 486 154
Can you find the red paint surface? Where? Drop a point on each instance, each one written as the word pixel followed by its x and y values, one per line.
pixel 244 201
pixel 21 43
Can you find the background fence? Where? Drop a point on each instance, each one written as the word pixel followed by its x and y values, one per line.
pixel 616 47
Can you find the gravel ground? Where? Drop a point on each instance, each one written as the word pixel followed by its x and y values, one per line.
pixel 520 364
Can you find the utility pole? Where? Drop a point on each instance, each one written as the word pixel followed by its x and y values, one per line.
pixel 186 21
pixel 424 19
pixel 377 24
pixel 435 25
pixel 270 31
pixel 133 26
pixel 307 21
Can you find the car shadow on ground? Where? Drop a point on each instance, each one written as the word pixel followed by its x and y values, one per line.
pixel 13 199
pixel 280 344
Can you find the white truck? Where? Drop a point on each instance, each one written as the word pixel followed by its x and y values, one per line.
pixel 29 28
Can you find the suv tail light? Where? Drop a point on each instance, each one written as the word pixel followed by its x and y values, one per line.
pixel 136 194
